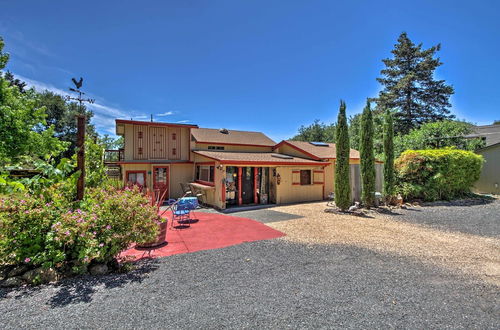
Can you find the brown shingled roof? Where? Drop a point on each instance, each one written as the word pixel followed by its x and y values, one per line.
pixel 210 135
pixel 230 157
pixel 322 152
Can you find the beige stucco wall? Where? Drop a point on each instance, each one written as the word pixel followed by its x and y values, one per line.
pixel 180 173
pixel 177 173
pixel 489 181
pixel 286 192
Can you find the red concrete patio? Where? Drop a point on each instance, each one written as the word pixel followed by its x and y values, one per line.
pixel 207 231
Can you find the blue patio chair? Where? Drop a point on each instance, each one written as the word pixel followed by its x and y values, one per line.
pixel 180 213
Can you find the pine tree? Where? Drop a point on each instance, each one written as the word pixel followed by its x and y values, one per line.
pixel 389 155
pixel 410 87
pixel 342 187
pixel 367 157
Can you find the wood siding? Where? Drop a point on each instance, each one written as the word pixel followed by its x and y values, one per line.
pixel 159 146
pixel 174 143
pixel 140 142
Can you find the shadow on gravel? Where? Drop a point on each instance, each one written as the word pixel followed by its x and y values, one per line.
pixel 81 289
pixel 483 200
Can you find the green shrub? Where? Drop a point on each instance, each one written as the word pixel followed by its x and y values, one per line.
pixel 52 231
pixel 437 174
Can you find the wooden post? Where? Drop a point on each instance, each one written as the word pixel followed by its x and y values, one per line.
pixel 255 177
pixel 240 199
pixel 80 157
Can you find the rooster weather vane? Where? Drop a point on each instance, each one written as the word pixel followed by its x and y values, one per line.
pixel 78 84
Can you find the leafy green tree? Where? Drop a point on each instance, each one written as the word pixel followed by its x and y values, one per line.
pixel 342 187
pixel 409 86
pixel 21 122
pixel 367 157
pixel 4 58
pixel 61 115
pixel 24 133
pixel 111 143
pixel 388 155
pixel 316 132
pixel 13 81
pixel 439 134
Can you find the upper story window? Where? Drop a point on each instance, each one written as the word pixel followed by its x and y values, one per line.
pixel 139 134
pixel 205 173
pixel 215 148
pixel 174 136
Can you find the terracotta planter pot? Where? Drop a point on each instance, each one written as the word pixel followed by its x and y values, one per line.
pixel 161 239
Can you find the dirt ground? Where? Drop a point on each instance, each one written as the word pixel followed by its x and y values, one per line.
pixel 470 254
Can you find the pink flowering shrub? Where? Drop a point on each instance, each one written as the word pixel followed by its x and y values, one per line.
pixel 50 230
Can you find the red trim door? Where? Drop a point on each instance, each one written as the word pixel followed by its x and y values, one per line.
pixel 137 178
pixel 161 180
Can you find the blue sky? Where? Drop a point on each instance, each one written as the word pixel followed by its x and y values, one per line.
pixel 266 65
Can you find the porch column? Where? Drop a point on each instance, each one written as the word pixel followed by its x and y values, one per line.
pixel 240 199
pixel 255 177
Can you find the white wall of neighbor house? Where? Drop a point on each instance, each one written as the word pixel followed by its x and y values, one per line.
pixel 489 181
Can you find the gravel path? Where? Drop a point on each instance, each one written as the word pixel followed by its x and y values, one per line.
pixel 479 219
pixel 271 284
pixel 474 255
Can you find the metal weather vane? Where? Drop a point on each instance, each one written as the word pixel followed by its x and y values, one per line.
pixel 78 84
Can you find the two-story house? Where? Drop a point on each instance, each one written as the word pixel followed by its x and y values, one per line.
pixel 230 167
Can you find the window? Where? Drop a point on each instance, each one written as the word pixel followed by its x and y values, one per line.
pixel 174 136
pixel 205 173
pixel 139 134
pixel 136 178
pixel 174 151
pixel 139 151
pixel 215 148
pixel 305 177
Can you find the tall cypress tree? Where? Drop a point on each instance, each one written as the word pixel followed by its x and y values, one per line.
pixel 389 155
pixel 367 157
pixel 410 88
pixel 342 187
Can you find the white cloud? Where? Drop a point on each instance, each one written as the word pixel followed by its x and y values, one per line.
pixel 168 113
pixel 183 121
pixel 104 115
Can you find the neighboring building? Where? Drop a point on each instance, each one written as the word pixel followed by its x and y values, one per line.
pixel 489 133
pixel 489 181
pixel 229 167
pixel 490 175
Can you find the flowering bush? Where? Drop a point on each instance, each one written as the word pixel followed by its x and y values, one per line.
pixel 436 174
pixel 52 231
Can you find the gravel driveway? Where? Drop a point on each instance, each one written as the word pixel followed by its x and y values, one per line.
pixel 265 284
pixel 478 218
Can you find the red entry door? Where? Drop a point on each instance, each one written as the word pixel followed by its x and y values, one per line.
pixel 160 181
